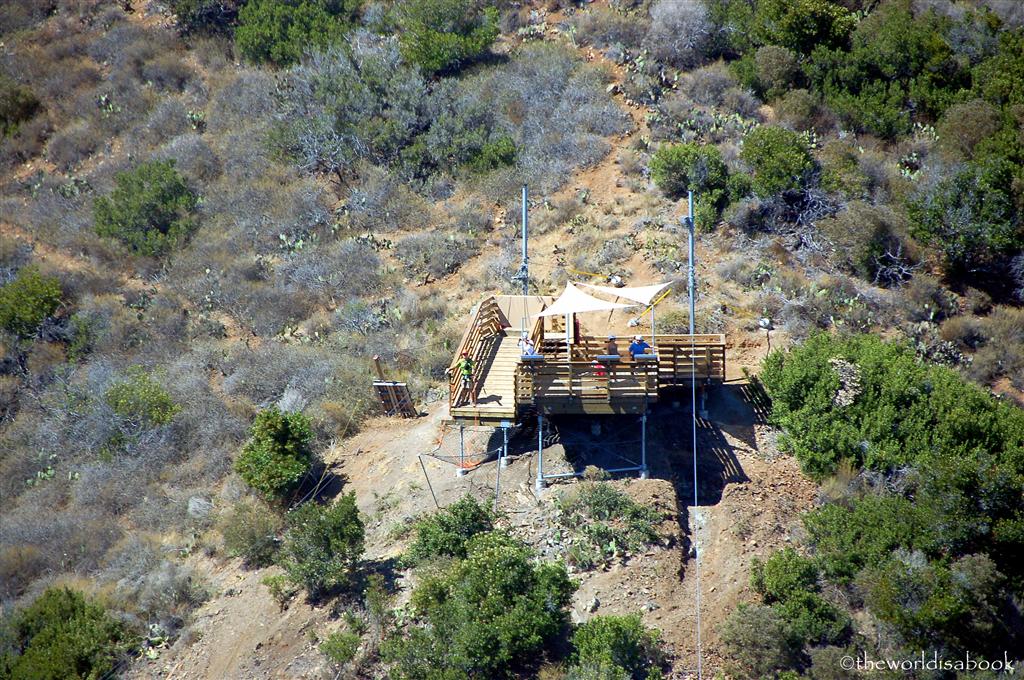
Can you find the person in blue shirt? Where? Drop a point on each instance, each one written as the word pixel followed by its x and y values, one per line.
pixel 638 346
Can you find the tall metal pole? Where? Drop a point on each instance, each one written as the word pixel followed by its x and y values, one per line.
pixel 462 451
pixel 540 453
pixel 525 267
pixel 643 446
pixel 693 270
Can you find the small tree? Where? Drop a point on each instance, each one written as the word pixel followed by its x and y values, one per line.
pixel 280 31
pixel 678 168
pixel 618 646
pixel 781 160
pixel 783 574
pixel 27 300
pixel 802 25
pixel 323 545
pixel 441 35
pixel 150 209
pixel 63 635
pixel 485 616
pixel 278 453
pixel 446 532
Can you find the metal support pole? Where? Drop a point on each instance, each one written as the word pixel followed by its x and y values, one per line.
pixel 692 264
pixel 526 256
pixel 643 446
pixel 461 472
pixel 540 453
pixel 497 483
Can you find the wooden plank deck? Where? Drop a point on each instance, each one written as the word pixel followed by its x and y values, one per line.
pixel 496 396
pixel 509 388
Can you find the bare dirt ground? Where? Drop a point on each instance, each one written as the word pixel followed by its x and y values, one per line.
pixel 749 498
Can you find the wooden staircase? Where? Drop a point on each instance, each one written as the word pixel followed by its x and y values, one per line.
pixel 496 397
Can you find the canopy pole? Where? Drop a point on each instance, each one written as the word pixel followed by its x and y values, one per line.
pixel 654 333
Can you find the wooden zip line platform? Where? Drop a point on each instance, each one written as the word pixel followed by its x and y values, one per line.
pixel 509 387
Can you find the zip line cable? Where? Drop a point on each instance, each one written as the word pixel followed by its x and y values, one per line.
pixel 693 406
pixel 696 527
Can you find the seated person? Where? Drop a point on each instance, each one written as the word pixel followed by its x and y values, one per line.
pixel 526 346
pixel 612 349
pixel 638 346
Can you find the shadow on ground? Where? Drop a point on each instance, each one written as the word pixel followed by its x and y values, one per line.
pixel 614 442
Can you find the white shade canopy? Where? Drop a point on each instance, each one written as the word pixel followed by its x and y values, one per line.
pixel 575 301
pixel 641 294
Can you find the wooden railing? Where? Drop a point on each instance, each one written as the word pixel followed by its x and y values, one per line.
pixel 552 382
pixel 682 359
pixel 487 323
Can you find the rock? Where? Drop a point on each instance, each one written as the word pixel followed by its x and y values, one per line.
pixel 593 605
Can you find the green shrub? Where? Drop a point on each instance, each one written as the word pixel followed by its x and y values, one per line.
pixel 281 31
pixel 340 647
pixel 970 216
pixel 27 300
pixel 280 588
pixel 323 545
pixel 812 620
pixel 868 243
pixel 486 616
pixel 141 400
pixel 678 168
pixel 495 154
pixel 937 604
pixel 442 35
pixel 446 532
pixel 799 108
pixel 899 61
pixel 757 640
pixel 802 25
pixel 889 411
pixel 780 158
pixel 783 574
pixel 278 454
pixel 17 104
pixel 620 646
pixel 776 70
pixel 150 209
pixel 965 125
pixel 1000 79
pixel 64 635
pixel 603 522
pixel 250 531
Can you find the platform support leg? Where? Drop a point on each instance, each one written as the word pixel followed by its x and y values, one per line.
pixel 540 453
pixel 643 446
pixel 461 470
pixel 703 402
